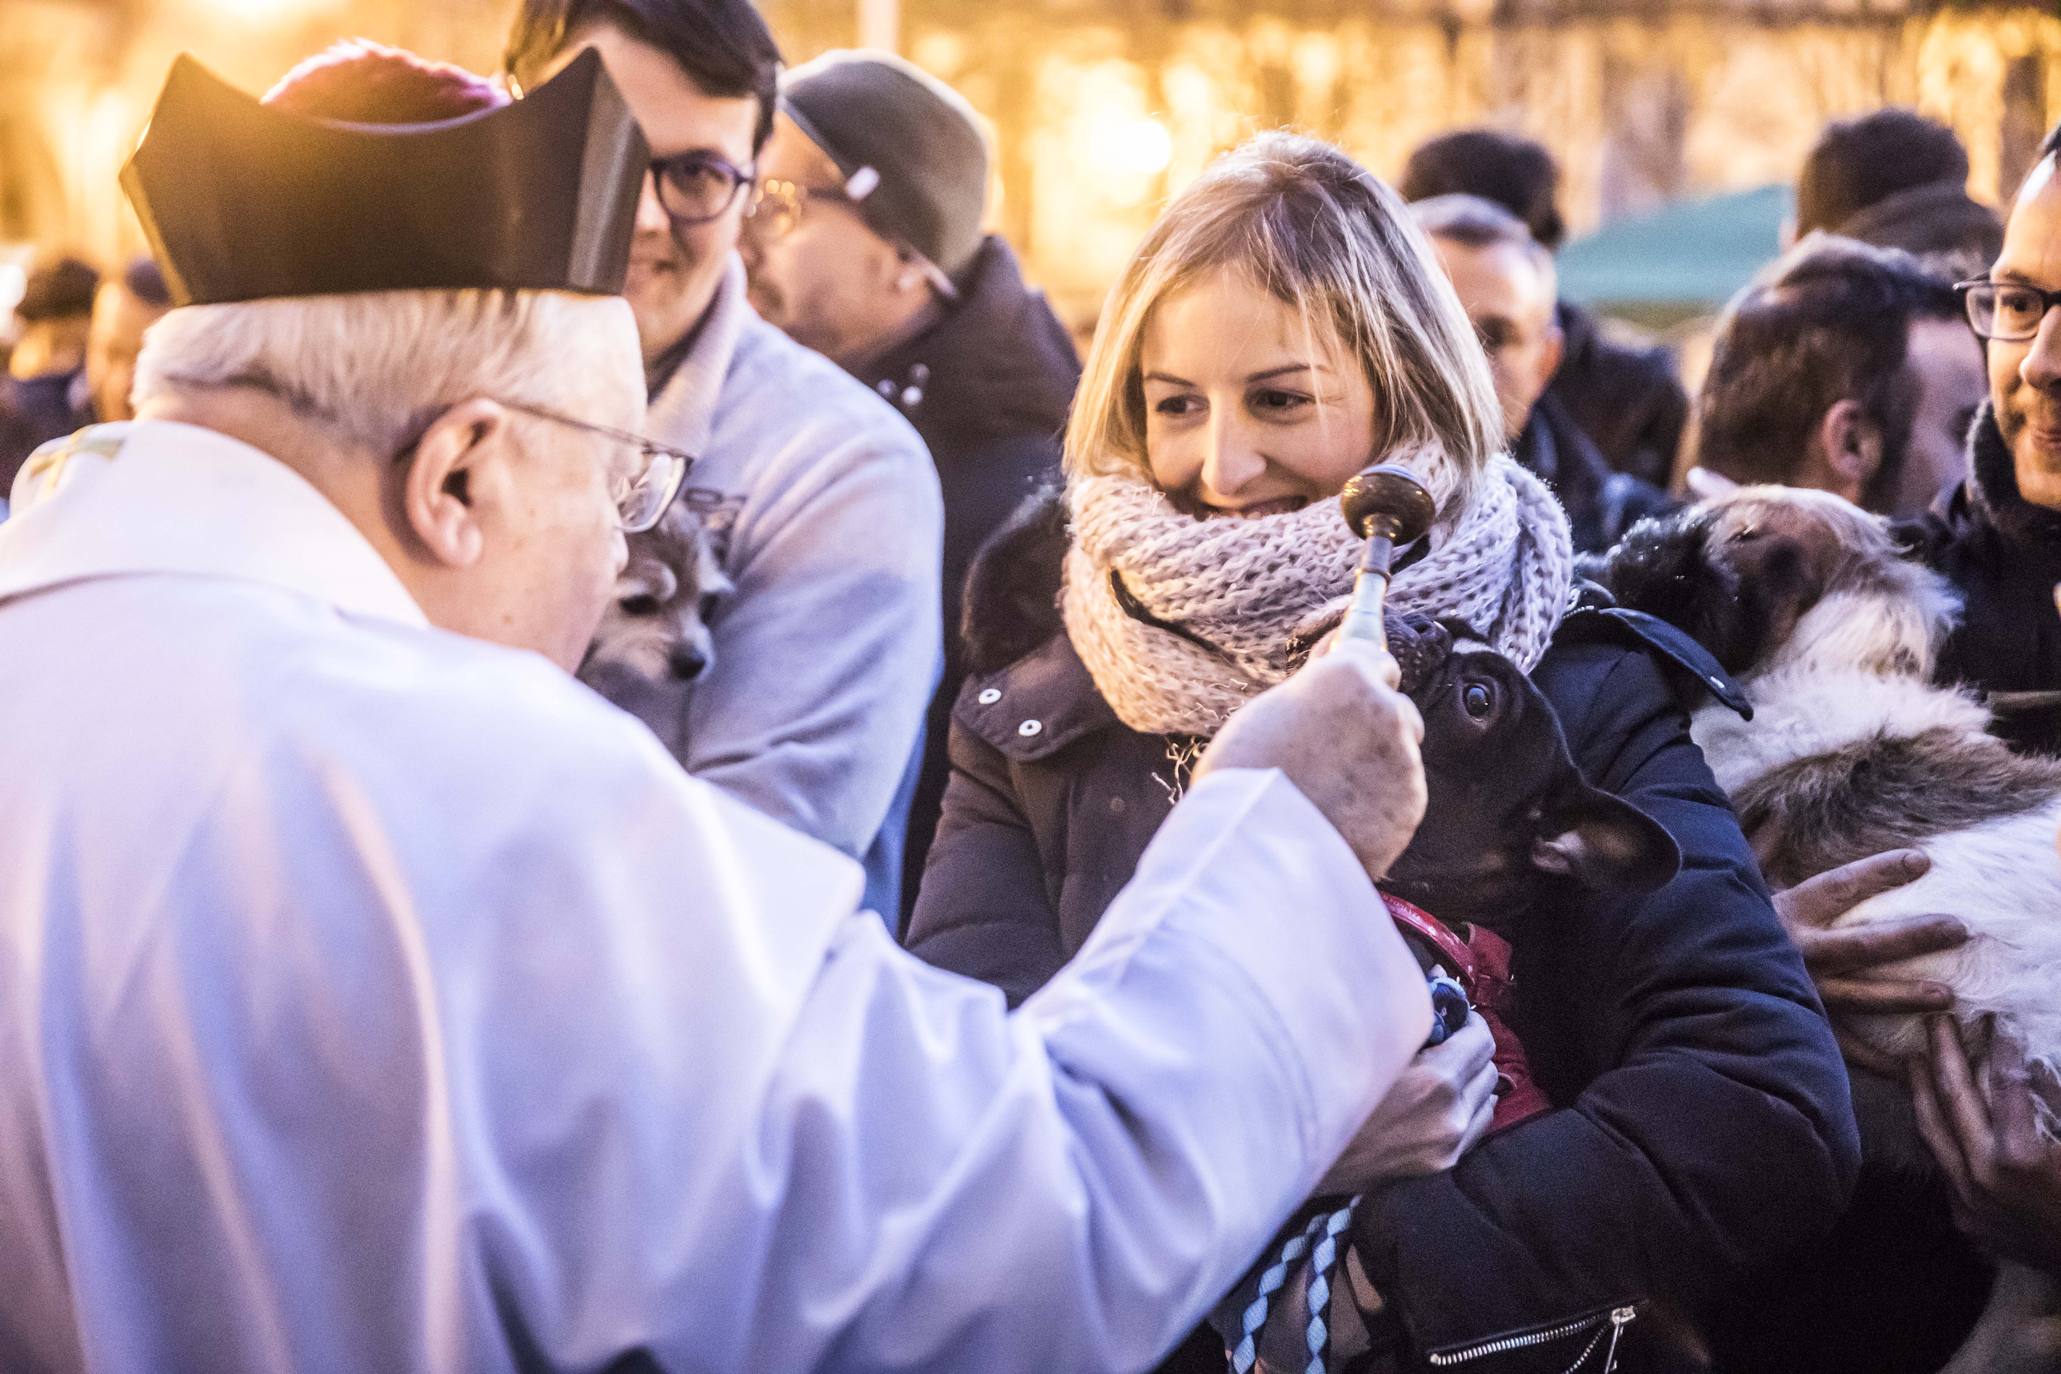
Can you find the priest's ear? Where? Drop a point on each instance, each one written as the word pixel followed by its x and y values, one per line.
pixel 454 473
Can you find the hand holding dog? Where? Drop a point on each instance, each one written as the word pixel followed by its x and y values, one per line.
pixel 1435 1112
pixel 2003 1171
pixel 1349 742
pixel 1843 962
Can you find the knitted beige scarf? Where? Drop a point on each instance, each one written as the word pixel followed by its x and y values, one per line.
pixel 1257 593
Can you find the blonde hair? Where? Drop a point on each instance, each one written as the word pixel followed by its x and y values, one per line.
pixel 1313 228
pixel 373 367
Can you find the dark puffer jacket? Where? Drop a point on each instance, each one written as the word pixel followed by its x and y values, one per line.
pixel 2003 556
pixel 987 386
pixel 1600 504
pixel 1704 1120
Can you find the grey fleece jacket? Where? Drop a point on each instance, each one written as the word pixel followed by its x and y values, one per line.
pixel 823 508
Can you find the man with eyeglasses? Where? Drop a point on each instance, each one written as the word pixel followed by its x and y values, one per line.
pixel 374 997
pixel 1997 535
pixel 819 502
pixel 868 245
pixel 1997 538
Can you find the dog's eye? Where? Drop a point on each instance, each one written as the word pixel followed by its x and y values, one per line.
pixel 1477 700
pixel 642 604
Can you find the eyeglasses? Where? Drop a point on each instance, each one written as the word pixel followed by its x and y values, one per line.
pixel 697 187
pixel 2008 311
pixel 777 212
pixel 640 497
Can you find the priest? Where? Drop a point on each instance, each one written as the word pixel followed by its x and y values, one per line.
pixel 374 997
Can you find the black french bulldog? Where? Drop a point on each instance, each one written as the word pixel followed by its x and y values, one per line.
pixel 1508 816
pixel 1507 806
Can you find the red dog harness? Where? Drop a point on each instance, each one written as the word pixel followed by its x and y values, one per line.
pixel 1479 960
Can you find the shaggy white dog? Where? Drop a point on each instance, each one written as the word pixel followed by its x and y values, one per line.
pixel 1852 751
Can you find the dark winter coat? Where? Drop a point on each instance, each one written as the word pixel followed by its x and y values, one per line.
pixel 2003 556
pixel 1894 1289
pixel 988 387
pixel 1706 1120
pixel 1626 399
pixel 1601 504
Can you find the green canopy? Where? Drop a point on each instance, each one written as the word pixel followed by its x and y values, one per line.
pixel 1677 262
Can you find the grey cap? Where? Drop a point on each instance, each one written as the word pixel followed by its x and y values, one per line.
pixel 919 137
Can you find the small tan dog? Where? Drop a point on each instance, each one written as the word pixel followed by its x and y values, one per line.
pixel 656 628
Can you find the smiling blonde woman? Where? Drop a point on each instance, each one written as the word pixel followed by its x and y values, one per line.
pixel 1284 325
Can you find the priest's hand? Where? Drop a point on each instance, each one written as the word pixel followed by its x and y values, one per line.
pixel 1349 742
pixel 1435 1112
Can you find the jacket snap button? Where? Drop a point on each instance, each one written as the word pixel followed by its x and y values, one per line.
pixel 1030 728
pixel 989 696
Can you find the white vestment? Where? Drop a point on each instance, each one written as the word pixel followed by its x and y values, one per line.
pixel 373 998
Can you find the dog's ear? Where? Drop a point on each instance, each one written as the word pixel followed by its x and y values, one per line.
pixel 709 578
pixel 1603 842
pixel 646 587
pixel 1659 568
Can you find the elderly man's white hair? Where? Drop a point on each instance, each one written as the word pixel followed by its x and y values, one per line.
pixel 374 367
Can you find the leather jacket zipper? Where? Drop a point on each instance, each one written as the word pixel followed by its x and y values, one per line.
pixel 1613 1322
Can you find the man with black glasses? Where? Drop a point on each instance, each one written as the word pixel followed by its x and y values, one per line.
pixel 1997 538
pixel 818 501
pixel 1997 535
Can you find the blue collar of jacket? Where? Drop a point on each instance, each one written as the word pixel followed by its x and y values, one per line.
pixel 1594 617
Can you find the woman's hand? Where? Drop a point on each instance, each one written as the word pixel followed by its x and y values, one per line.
pixel 2004 1173
pixel 1843 962
pixel 1437 1109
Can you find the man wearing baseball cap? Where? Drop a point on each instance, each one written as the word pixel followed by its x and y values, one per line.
pixel 867 245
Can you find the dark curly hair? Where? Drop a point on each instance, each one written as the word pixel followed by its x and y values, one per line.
pixel 723 46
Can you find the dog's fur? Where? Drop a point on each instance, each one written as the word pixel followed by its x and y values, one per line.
pixel 655 629
pixel 1851 751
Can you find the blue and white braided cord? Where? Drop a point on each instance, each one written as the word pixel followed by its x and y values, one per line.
pixel 1321 1232
pixel 1323 1264
pixel 1245 1354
